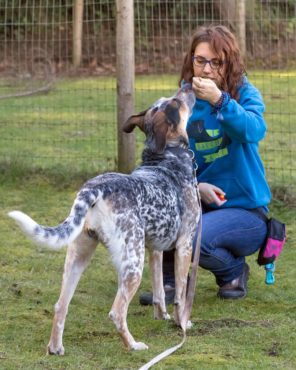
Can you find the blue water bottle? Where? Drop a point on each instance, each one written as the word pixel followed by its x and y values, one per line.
pixel 269 277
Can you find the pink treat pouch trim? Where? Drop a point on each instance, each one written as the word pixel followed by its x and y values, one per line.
pixel 273 248
pixel 274 244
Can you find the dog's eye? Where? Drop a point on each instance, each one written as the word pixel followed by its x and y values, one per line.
pixel 177 102
pixel 154 110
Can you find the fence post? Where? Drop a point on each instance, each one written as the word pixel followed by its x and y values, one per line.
pixel 77 32
pixel 125 67
pixel 241 25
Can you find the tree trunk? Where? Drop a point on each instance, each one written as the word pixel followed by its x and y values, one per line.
pixel 227 12
pixel 233 13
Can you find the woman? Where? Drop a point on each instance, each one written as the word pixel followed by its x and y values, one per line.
pixel 224 132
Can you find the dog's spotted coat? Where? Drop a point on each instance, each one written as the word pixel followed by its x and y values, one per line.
pixel 156 207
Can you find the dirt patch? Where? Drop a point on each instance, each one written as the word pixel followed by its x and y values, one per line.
pixel 204 327
pixel 274 350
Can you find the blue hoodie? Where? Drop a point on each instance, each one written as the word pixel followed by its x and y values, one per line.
pixel 225 144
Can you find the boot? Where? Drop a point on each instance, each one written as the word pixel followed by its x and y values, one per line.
pixel 237 288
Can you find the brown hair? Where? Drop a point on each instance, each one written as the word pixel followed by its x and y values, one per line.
pixel 224 44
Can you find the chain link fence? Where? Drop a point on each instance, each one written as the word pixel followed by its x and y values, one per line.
pixel 57 117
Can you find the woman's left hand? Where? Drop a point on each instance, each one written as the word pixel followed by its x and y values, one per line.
pixel 206 89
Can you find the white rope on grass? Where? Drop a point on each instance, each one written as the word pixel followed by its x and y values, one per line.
pixel 164 354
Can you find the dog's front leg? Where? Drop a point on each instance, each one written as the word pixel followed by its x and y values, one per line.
pixel 78 256
pixel 155 263
pixel 182 264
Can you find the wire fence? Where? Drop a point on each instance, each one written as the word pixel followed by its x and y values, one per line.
pixel 55 116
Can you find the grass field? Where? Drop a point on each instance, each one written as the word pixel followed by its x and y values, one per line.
pixel 255 333
pixel 72 130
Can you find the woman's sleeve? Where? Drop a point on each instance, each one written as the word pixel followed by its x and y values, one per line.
pixel 243 121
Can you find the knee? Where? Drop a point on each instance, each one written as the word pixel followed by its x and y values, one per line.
pixel 208 262
pixel 116 320
pixel 60 309
pixel 214 260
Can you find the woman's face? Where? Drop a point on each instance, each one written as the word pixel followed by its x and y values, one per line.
pixel 206 63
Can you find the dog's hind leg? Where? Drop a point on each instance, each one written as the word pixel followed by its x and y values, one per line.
pixel 155 263
pixel 79 254
pixel 130 268
pixel 182 264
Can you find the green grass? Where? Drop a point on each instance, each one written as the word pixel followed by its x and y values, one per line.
pixel 257 332
pixel 71 127
pixel 46 143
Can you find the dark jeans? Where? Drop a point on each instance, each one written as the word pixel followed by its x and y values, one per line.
pixel 228 236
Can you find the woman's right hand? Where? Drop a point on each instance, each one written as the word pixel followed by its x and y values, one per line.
pixel 206 89
pixel 211 194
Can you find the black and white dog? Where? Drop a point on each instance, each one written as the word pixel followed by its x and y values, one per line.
pixel 156 207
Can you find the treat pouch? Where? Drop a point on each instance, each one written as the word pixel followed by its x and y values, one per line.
pixel 275 241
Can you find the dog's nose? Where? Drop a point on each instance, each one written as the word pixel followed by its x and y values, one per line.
pixel 187 94
pixel 186 87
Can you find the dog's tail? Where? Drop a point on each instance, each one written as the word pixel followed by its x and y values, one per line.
pixel 64 233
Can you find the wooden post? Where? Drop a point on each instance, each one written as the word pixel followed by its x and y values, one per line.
pixel 125 66
pixel 234 12
pixel 241 25
pixel 77 32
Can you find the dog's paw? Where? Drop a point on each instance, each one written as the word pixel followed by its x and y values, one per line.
pixel 55 351
pixel 138 346
pixel 161 316
pixel 160 313
pixel 189 324
pixel 166 316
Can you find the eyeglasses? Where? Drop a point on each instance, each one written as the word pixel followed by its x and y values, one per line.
pixel 201 62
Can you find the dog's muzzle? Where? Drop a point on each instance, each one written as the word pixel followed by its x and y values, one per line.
pixel 186 94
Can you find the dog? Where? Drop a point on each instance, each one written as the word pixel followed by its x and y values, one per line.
pixel 156 206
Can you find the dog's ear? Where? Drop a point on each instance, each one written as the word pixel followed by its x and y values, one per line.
pixel 157 132
pixel 133 121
